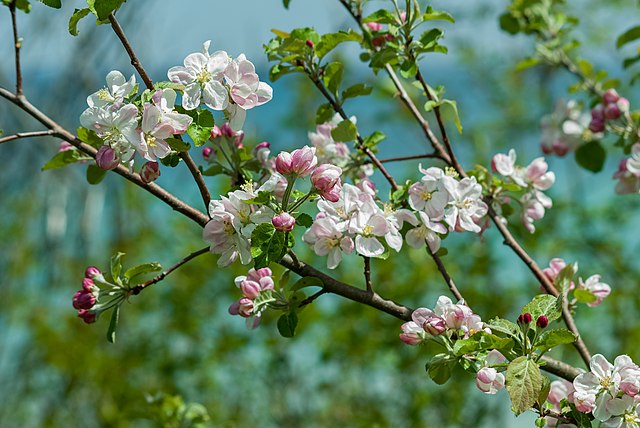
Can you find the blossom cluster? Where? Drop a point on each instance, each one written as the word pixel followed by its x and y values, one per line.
pixel 534 179
pixel 85 299
pixel 609 391
pixel 255 283
pixel 327 149
pixel 593 284
pixel 612 107
pixel 488 379
pixel 446 320
pixel 628 174
pixel 565 129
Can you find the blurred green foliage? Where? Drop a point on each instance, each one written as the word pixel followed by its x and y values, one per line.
pixel 345 366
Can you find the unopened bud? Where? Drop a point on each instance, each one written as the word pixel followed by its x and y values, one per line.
pixel 542 321
pixel 87 316
pixel 283 222
pixel 309 43
pixel 610 96
pixel 107 158
pixel 525 318
pixel 83 300
pixel 150 172
pixel 64 146
pixel 215 132
pixel 612 111
pixel 596 125
pixel 92 271
pixel 207 152
pixel 226 131
pixel 374 26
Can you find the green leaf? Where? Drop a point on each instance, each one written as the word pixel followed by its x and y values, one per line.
pixel 267 245
pixel 527 63
pixel 544 304
pixel 430 38
pixel 630 35
pixel 509 23
pixel 200 128
pixel 437 15
pixel 304 220
pixel 328 42
pixel 287 324
pixel 373 139
pixel 481 341
pixel 552 338
pixel 333 76
pixel 544 392
pixel 65 158
pixel 524 383
pixel 142 269
pixel 345 131
pixel 56 4
pixel 504 326
pixel 171 160
pixel 95 174
pixel 214 169
pixel 591 156
pixel 440 367
pixel 116 266
pixel 386 55
pixel 102 8
pixel 454 106
pixel 356 90
pixel 307 281
pixel 113 324
pixel 324 113
pixel 178 145
pixel 286 3
pixel 382 16
pixel 89 137
pixel 584 296
pixel 22 5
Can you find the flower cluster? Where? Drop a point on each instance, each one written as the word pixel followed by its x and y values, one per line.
pixel 253 285
pixel 628 174
pixel 447 321
pixel 559 390
pixel 488 379
pixel 84 300
pixel 612 107
pixel 609 391
pixel 221 83
pixel 565 129
pixel 593 285
pixel 534 179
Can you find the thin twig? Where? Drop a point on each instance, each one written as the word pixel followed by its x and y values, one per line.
pixel 17 45
pixel 367 273
pixel 138 288
pixel 445 274
pixel 579 344
pixel 185 156
pixel 405 158
pixel 311 298
pixel 19 135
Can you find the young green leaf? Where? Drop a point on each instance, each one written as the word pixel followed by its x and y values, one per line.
pixel 65 158
pixel 345 131
pixel 142 269
pixel 287 324
pixel 440 367
pixel 113 324
pixel 524 383
pixel 544 304
pixel 552 338
pixel 95 174
pixel 591 156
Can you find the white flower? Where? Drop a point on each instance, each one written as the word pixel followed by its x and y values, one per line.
pixel 202 76
pixel 225 239
pixel 113 126
pixel 369 225
pixel 328 240
pixel 593 285
pixel 426 232
pixel 602 382
pixel 429 194
pixel 115 92
pixel 465 206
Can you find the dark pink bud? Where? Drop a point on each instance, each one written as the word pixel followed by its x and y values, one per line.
pixel 106 158
pixel 92 271
pixel 263 145
pixel 525 318
pixel 612 111
pixel 226 131
pixel 207 152
pixel 250 289
pixel 243 307
pixel 610 96
pixel 88 317
pixel 150 172
pixel 542 321
pixel 388 37
pixel 83 300
pixel 64 146
pixel 309 43
pixel 560 148
pixel 88 285
pixel 596 125
pixel 283 222
pixel 378 41
pixel 374 26
pixel 215 132
pixel 237 139
pixel 597 113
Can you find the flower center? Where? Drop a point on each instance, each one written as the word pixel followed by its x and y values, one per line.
pixel 464 205
pixel 104 95
pixel 203 77
pixel 151 140
pixel 606 382
pixel 367 231
pixel 451 172
pixel 426 196
pixel 228 228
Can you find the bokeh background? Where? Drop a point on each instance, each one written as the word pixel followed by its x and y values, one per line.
pixel 346 366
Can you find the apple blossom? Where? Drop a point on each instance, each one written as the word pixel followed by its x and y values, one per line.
pixel 117 89
pixel 283 222
pixel 489 381
pixel 300 162
pixel 565 129
pixel 149 172
pixel 369 225
pixel 243 307
pixel 429 194
pixel 328 240
pixel 427 232
pixel 113 126
pixel 593 285
pixel 326 180
pixel 465 205
pixel 107 158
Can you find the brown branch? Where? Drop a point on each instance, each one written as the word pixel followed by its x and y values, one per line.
pixel 58 131
pixel 19 135
pixel 312 298
pixel 445 274
pixel 559 368
pixel 360 145
pixel 579 344
pixel 185 156
pixel 405 158
pixel 138 288
pixel 17 44
pixel 367 274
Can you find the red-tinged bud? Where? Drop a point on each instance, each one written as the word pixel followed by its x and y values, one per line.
pixel 64 146
pixel 263 145
pixel 250 289
pixel 388 37
pixel 92 271
pixel 378 41
pixel 83 300
pixel 560 148
pixel 525 318
pixel 88 317
pixel 612 111
pixel 610 96
pixel 215 132
pixel 150 172
pixel 596 125
pixel 374 26
pixel 542 321
pixel 107 158
pixel 238 138
pixel 309 43
pixel 243 307
pixel 207 153
pixel 88 285
pixel 226 131
pixel 283 222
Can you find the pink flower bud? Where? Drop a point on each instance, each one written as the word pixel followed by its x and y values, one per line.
pixel 215 132
pixel 238 138
pixel 263 145
pixel 623 105
pixel 610 96
pixel 374 26
pixel 403 16
pixel 388 37
pixel 92 271
pixel 378 41
pixel 597 113
pixel 542 321
pixel 250 289
pixel 283 222
pixel 309 43
pixel 435 326
pixel 150 172
pixel 87 316
pixel 596 125
pixel 560 148
pixel 207 153
pixel 106 158
pixel 83 300
pixel 612 111
pixel 226 131
pixel 326 180
pixel 489 381
pixel 88 285
pixel 300 162
pixel 243 307
pixel 525 318
pixel 64 146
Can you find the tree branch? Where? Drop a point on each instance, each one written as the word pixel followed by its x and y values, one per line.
pixel 17 44
pixel 367 274
pixel 19 135
pixel 138 288
pixel 405 158
pixel 445 274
